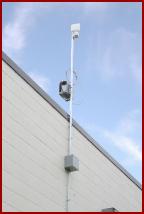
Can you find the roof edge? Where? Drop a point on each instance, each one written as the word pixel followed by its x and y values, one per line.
pixel 42 93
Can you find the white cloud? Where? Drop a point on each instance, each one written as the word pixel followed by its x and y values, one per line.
pixel 41 80
pixel 117 56
pixel 136 68
pixel 125 136
pixel 122 45
pixel 130 123
pixel 15 34
pixel 15 31
pixel 125 144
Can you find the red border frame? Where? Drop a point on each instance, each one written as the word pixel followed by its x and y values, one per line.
pixel 1 94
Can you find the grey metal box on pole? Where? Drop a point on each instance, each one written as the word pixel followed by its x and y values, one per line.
pixel 71 163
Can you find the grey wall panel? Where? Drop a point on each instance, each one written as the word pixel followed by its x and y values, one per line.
pixel 33 149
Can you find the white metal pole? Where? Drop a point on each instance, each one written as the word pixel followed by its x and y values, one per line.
pixel 71 98
pixel 70 124
pixel 75 34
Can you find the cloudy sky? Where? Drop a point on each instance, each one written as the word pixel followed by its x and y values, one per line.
pixel 107 94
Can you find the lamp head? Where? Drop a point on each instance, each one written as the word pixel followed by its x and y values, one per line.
pixel 75 29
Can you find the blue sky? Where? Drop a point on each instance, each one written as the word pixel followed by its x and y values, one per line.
pixel 107 95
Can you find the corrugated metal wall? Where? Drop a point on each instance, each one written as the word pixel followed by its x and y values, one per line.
pixel 35 139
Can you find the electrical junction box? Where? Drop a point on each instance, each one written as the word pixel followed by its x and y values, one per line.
pixel 71 163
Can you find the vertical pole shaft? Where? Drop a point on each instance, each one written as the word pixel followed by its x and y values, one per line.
pixel 70 124
pixel 67 193
pixel 71 98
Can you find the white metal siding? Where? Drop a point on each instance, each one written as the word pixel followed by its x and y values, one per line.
pixel 99 183
pixel 35 140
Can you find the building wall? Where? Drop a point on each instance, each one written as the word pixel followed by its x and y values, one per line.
pixel 35 140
